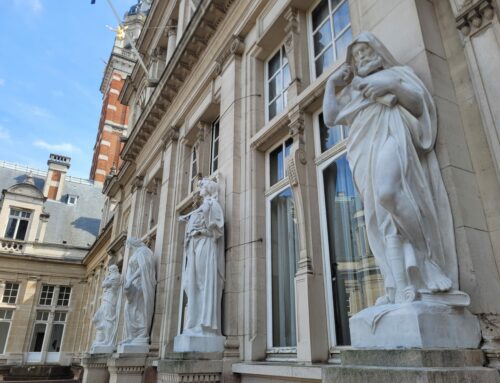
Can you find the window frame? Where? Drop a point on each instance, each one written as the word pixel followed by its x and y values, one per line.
pixel 214 142
pixel 18 219
pixel 59 294
pixel 51 299
pixel 193 161
pixel 310 37
pixel 281 143
pixel 9 321
pixel 10 295
pixel 284 91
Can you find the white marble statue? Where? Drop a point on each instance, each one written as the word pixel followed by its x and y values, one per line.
pixel 203 276
pixel 105 318
pixel 392 132
pixel 139 290
pixel 390 148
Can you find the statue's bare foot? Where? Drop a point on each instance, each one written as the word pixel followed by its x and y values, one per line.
pixel 438 281
pixel 406 295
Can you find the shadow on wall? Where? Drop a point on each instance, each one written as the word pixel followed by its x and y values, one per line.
pixel 90 225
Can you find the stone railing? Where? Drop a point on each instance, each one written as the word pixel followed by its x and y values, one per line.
pixel 12 246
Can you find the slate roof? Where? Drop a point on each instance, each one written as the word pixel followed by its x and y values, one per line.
pixel 74 225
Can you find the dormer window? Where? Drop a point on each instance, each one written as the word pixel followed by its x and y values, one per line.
pixel 17 227
pixel 72 199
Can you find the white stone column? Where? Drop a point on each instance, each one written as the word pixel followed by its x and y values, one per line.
pixel 171 41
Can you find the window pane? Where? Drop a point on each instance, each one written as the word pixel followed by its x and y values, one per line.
pixel 273 88
pixel 46 295
pixel 4 332
pixel 284 256
pixel 272 110
pixel 324 61
pixel 274 65
pixel 320 13
pixel 276 165
pixel 356 280
pixel 322 38
pixel 342 43
pixel 56 338
pixel 341 18
pixel 21 230
pixel 329 136
pixel 64 294
pixel 37 339
pixel 334 3
pixel 286 76
pixel 11 228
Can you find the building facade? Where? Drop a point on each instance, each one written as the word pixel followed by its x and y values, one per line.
pixel 48 222
pixel 234 92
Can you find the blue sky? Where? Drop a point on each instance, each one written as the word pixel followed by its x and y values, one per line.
pixel 52 55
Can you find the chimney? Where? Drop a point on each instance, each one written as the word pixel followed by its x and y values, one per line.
pixel 54 183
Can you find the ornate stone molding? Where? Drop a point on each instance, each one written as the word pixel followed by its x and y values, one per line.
pixel 235 47
pixel 475 15
pixel 171 135
pixel 191 378
pixel 138 183
pixel 292 46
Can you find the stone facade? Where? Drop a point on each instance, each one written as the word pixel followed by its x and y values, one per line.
pixel 234 92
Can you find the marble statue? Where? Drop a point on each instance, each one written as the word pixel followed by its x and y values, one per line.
pixel 390 148
pixel 139 290
pixel 105 318
pixel 203 274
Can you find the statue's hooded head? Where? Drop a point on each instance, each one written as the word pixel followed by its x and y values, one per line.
pixel 366 54
pixel 208 188
pixel 113 269
pixel 134 242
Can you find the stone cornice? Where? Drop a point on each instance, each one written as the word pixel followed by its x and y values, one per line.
pixel 474 15
pixel 187 53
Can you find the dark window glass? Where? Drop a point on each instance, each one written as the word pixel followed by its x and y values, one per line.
pixel 322 38
pixel 324 61
pixel 356 280
pixel 38 336
pixel 274 65
pixel 11 228
pixel 56 337
pixel 21 230
pixel 284 257
pixel 319 14
pixel 4 333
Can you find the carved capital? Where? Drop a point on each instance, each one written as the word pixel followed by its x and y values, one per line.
pixel 296 125
pixel 203 127
pixel 292 18
pixel 235 47
pixel 172 134
pixel 138 183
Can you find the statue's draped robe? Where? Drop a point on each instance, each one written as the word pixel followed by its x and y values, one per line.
pixel 370 124
pixel 204 270
pixel 105 317
pixel 139 305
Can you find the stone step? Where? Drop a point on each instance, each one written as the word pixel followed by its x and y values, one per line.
pixel 412 357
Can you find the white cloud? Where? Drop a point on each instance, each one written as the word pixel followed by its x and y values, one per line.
pixel 2 81
pixel 62 147
pixel 34 6
pixel 4 134
pixel 39 111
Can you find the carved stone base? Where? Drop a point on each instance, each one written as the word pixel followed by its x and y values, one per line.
pixel 131 348
pixel 409 366
pixel 189 343
pixel 415 325
pixel 189 367
pixel 126 369
pixel 101 350
pixel 95 369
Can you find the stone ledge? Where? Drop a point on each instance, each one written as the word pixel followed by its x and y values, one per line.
pixel 193 366
pixel 280 370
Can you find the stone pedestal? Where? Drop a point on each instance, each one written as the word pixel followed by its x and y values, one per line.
pixel 101 350
pixel 415 325
pixel 126 368
pixel 190 367
pixel 131 348
pixel 409 366
pixel 95 369
pixel 203 344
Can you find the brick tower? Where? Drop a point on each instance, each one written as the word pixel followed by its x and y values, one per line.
pixel 114 115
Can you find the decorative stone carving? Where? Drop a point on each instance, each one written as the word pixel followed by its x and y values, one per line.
pixel 106 317
pixel 392 120
pixel 139 291
pixel 203 274
pixel 474 15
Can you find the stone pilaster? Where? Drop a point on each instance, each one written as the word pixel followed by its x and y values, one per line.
pixel 309 288
pixel 126 369
pixel 95 370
